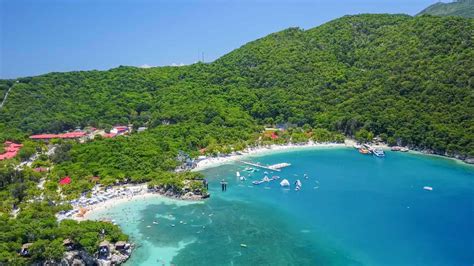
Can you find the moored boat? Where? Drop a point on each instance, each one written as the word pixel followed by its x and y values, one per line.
pixel 364 151
pixel 395 148
pixel 403 149
pixel 378 152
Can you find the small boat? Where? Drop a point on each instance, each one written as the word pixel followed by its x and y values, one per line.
pixel 306 176
pixel 284 183
pixel 266 179
pixel 237 174
pixel 298 185
pixel 242 178
pixel 378 152
pixel 403 149
pixel 257 182
pixel 427 188
pixel 395 148
pixel 275 177
pixel 364 151
pixel 248 169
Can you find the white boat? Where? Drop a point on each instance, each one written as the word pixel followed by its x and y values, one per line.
pixel 378 152
pixel 237 174
pixel 284 183
pixel 275 177
pixel 298 185
pixel 427 188
pixel 242 178
pixel 403 149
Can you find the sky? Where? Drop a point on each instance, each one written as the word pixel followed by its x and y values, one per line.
pixel 41 36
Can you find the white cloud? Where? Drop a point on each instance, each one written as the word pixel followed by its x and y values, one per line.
pixel 145 66
pixel 178 64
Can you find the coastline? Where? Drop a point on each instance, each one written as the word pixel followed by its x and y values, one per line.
pixel 111 203
pixel 211 162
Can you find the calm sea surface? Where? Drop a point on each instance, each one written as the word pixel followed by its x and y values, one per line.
pixel 352 210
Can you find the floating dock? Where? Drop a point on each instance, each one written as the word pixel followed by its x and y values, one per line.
pixel 275 167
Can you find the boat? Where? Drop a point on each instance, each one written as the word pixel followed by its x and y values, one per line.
pixel 305 176
pixel 275 177
pixel 395 148
pixel 248 169
pixel 404 149
pixel 237 174
pixel 428 188
pixel 242 178
pixel 364 151
pixel 284 183
pixel 266 179
pixel 378 152
pixel 257 182
pixel 298 185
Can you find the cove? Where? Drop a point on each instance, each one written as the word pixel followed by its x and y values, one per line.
pixel 352 210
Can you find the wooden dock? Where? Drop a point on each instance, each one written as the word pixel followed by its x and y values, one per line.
pixel 275 167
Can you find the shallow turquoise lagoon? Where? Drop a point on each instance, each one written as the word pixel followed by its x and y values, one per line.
pixel 352 210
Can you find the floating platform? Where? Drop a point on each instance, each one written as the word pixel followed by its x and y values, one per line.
pixel 274 167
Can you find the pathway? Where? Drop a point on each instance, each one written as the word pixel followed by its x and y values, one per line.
pixel 5 98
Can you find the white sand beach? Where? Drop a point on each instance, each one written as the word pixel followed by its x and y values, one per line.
pixel 260 150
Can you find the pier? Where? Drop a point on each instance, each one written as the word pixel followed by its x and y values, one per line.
pixel 274 167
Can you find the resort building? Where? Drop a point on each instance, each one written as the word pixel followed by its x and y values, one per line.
pixel 11 150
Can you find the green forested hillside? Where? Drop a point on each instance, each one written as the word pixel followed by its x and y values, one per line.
pixel 462 8
pixel 407 79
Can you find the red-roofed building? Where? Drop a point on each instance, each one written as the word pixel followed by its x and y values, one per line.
pixel 40 169
pixel 11 150
pixel 109 135
pixel 68 135
pixel 119 129
pixel 274 135
pixel 65 181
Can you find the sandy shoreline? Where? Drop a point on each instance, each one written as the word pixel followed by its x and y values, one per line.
pixel 111 203
pixel 261 150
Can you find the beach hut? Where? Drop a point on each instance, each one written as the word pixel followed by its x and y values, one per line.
pixel 25 249
pixel 65 181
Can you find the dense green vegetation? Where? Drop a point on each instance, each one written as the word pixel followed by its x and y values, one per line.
pixel 462 8
pixel 408 80
pixel 37 224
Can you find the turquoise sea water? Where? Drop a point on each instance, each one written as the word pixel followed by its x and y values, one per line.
pixel 352 210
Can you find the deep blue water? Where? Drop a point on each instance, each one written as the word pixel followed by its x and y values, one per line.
pixel 352 210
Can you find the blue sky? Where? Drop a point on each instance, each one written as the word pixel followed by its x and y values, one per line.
pixel 41 36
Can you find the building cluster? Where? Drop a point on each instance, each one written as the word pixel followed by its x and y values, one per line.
pixel 87 134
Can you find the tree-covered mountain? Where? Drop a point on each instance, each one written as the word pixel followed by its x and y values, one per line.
pixel 462 8
pixel 408 79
